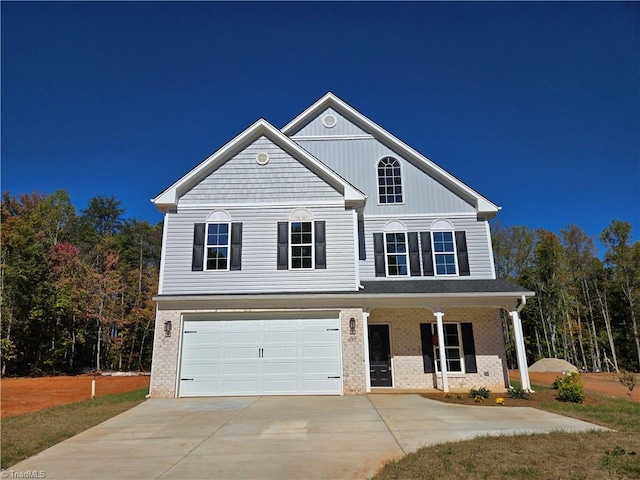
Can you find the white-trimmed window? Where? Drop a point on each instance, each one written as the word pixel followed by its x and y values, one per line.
pixel 301 244
pixel 217 248
pixel 396 249
pixel 444 253
pixel 389 181
pixel 452 345
pixel 443 239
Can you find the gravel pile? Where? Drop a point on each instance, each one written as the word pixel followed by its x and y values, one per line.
pixel 552 365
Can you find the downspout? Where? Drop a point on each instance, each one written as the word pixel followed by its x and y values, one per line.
pixel 521 306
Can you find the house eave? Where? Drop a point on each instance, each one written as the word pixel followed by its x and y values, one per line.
pixel 353 299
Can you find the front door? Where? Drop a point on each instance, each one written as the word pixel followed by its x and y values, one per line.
pixel 379 356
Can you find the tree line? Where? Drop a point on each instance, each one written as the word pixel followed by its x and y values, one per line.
pixel 585 309
pixel 76 287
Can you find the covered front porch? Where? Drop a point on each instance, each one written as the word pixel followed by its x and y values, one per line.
pixel 420 338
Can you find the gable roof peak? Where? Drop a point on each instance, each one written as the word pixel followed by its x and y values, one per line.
pixel 483 205
pixel 168 199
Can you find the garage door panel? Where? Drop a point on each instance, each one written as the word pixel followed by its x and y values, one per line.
pixel 281 386
pixel 201 369
pixel 321 385
pixel 261 357
pixel 239 352
pixel 329 368
pixel 241 337
pixel 281 336
pixel 240 385
pixel 201 353
pixel 320 336
pixel 320 351
pixel 281 368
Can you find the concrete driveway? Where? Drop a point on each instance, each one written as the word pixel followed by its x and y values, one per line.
pixel 274 437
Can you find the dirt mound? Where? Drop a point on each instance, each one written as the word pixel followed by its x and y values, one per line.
pixel 552 365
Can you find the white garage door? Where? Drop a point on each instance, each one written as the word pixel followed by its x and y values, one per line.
pixel 260 357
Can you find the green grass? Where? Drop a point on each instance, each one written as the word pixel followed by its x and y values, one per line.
pixel 25 435
pixel 558 455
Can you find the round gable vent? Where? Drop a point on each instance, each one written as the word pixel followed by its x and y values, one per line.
pixel 262 158
pixel 329 121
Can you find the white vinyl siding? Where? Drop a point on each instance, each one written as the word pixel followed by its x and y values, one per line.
pixel 242 180
pixel 259 273
pixel 356 160
pixel 342 127
pixel 478 246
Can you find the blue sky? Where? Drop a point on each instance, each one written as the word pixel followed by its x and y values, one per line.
pixel 534 105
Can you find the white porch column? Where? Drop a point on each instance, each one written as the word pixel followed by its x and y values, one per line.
pixel 521 353
pixel 443 352
pixel 367 366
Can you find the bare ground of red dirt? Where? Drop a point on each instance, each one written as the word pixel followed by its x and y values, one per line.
pixel 22 395
pixel 602 383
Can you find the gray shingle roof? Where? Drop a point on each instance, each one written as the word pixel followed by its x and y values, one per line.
pixel 448 286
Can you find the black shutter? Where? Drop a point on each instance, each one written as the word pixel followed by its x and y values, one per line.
pixel 361 242
pixel 427 347
pixel 414 254
pixel 427 259
pixel 378 254
pixel 197 259
pixel 321 245
pixel 236 246
pixel 463 256
pixel 469 348
pixel 283 245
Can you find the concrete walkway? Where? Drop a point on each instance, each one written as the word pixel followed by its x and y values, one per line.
pixel 274 437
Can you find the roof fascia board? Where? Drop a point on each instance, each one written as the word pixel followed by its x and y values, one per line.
pixel 169 197
pixel 199 303
pixel 483 205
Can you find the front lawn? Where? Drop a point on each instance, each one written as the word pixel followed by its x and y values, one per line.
pixel 25 435
pixel 558 455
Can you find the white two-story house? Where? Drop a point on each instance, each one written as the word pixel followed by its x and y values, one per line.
pixel 327 257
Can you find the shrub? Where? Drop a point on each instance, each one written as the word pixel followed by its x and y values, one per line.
pixel 479 392
pixel 518 392
pixel 628 379
pixel 570 388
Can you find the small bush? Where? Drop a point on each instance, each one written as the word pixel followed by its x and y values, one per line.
pixel 479 392
pixel 570 388
pixel 518 392
pixel 479 398
pixel 628 379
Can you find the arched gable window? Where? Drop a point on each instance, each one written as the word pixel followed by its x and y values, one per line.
pixel 389 180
